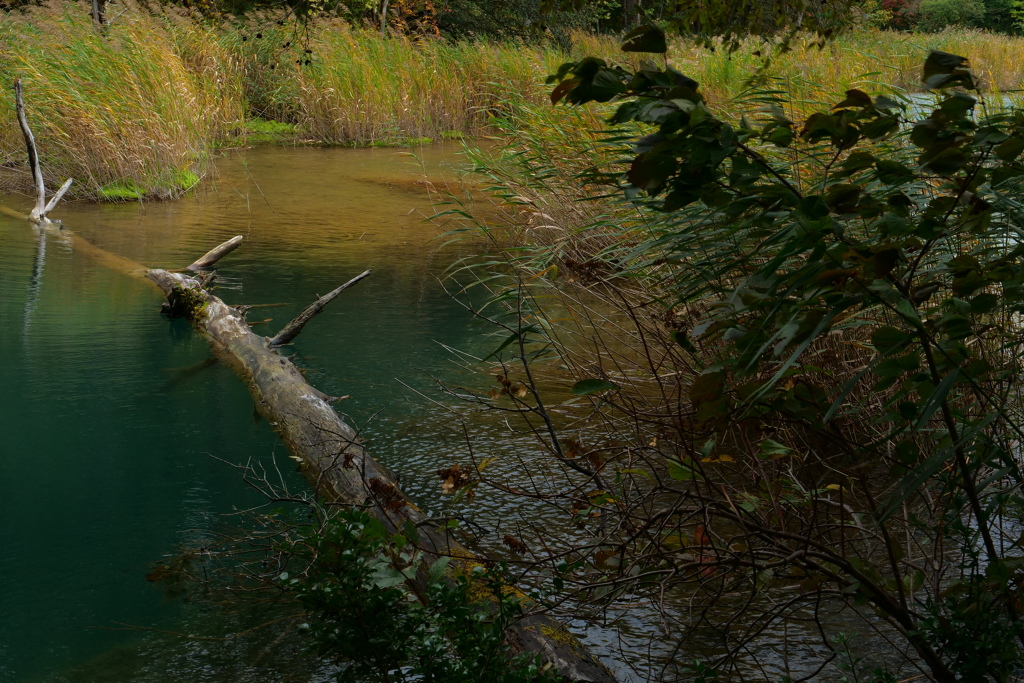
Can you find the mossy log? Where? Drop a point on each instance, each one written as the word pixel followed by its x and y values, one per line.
pixel 333 458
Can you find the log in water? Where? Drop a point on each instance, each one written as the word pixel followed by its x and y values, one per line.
pixel 335 461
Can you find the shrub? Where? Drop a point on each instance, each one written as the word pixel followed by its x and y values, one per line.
pixel 935 15
pixel 827 414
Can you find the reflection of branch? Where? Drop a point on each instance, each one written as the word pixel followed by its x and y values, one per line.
pixel 223 639
pixel 35 282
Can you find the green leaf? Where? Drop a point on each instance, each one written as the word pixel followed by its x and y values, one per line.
pixel 1010 149
pixel 645 39
pixel 586 387
pixel 511 339
pixel 562 89
pixel 855 98
pixel 708 386
pixel 880 127
pixel 842 198
pixel 943 161
pixel 958 105
pixel 955 326
pixel 437 570
pixel 888 340
pixel 681 471
pixel 943 69
pixel 984 303
pixel 893 172
pixel 770 448
pixel 387 576
pixel 650 170
pixel 680 337
pixel 857 161
pixel 934 400
pixel 373 528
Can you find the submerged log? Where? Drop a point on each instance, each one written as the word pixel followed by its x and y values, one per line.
pixel 334 460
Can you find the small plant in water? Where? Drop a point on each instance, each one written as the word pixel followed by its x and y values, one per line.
pixel 377 608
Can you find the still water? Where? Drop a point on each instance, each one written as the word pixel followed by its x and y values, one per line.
pixel 110 418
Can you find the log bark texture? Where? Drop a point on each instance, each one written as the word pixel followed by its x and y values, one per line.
pixel 335 461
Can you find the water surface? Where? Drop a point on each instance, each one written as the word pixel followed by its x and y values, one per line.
pixel 112 416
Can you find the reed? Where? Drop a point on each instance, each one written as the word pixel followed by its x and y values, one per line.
pixel 868 59
pixel 128 115
pixel 361 88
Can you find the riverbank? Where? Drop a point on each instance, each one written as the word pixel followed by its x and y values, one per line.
pixel 138 112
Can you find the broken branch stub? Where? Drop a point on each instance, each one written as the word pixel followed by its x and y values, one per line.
pixel 334 460
pixel 42 208
pixel 216 254
pixel 292 329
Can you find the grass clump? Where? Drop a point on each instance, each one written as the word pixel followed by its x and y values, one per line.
pixel 172 183
pixel 259 130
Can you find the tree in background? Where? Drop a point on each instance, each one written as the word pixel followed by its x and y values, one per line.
pixel 935 15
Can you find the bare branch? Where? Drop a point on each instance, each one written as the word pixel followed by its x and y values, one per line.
pixel 292 329
pixel 57 197
pixel 39 211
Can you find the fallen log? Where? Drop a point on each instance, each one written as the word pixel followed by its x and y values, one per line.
pixel 334 460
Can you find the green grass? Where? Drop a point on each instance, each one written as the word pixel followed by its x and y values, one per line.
pixel 169 184
pixel 259 130
pixel 137 109
pixel 360 88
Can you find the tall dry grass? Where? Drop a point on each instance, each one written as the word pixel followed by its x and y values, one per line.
pixel 361 88
pixel 138 108
pixel 868 59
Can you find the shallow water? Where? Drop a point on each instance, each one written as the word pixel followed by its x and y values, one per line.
pixel 111 418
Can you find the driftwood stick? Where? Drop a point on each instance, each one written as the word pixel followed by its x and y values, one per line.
pixel 216 254
pixel 39 211
pixel 57 197
pixel 33 158
pixel 292 329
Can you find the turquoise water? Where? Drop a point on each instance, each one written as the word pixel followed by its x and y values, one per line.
pixel 111 416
